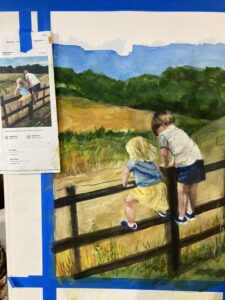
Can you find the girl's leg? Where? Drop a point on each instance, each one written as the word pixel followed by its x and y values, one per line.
pixel 192 197
pixel 129 209
pixel 183 199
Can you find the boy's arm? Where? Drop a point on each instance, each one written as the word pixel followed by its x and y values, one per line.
pixel 165 157
pixel 28 82
pixel 126 174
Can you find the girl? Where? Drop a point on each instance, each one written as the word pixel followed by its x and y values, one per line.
pixel 151 191
pixel 187 159
pixel 21 89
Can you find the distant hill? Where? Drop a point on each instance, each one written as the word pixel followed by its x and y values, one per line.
pixel 189 91
pixel 141 60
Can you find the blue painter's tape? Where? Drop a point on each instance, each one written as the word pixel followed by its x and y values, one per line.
pixel 115 5
pixel 25 30
pixel 44 20
pixel 13 281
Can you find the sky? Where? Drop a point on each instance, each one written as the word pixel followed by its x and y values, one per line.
pixel 21 61
pixel 141 59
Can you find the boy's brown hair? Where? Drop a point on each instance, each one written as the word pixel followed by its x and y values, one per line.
pixel 162 118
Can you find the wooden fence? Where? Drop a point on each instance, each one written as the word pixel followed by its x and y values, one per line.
pixel 6 115
pixel 172 248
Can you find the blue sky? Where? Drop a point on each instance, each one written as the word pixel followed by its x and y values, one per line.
pixel 21 61
pixel 142 59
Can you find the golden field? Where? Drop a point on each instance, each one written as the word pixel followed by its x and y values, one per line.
pixel 85 115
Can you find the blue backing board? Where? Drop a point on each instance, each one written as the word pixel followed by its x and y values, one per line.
pixel 48 280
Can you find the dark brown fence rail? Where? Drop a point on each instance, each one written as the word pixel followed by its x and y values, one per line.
pixel 172 248
pixel 30 106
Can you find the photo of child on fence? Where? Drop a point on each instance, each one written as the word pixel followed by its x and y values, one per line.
pixel 26 103
pixel 151 191
pixel 22 89
pixel 187 161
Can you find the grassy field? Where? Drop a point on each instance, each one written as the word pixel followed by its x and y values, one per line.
pixel 93 155
pixel 88 127
pixel 81 115
pixel 211 135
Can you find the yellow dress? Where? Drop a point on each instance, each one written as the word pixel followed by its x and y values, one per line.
pixel 154 196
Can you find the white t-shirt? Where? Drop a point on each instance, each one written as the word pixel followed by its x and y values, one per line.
pixel 32 79
pixel 183 148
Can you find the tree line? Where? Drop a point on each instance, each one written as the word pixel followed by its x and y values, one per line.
pixel 185 90
pixel 36 68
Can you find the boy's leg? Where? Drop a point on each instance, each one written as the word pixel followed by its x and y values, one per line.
pixel 129 208
pixel 183 193
pixel 192 197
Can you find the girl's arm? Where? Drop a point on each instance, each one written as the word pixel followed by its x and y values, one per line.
pixel 165 157
pixel 126 174
pixel 16 91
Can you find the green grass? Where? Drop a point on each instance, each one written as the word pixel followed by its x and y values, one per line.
pixel 189 124
pixel 84 152
pixel 193 262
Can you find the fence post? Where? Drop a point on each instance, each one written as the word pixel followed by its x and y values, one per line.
pixel 71 191
pixel 173 230
pixel 44 94
pixel 30 108
pixel 4 111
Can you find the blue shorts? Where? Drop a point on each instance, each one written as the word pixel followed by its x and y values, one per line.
pixel 194 173
pixel 36 87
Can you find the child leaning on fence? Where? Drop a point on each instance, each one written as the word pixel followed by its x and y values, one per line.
pixel 22 89
pixel 151 191
pixel 187 159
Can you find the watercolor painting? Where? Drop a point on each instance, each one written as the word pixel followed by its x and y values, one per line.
pixel 105 100
pixel 24 92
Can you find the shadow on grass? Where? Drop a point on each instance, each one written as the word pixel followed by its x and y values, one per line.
pixel 219 273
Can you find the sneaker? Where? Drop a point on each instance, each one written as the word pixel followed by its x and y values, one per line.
pixel 125 224
pixel 161 213
pixel 191 216
pixel 181 221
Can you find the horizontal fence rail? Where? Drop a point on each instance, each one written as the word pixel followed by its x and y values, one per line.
pixel 92 237
pixel 171 248
pixel 68 200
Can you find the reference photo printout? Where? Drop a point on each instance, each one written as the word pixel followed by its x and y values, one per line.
pixel 28 126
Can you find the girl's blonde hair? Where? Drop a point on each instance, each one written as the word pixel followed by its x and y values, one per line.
pixel 162 118
pixel 20 81
pixel 139 148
